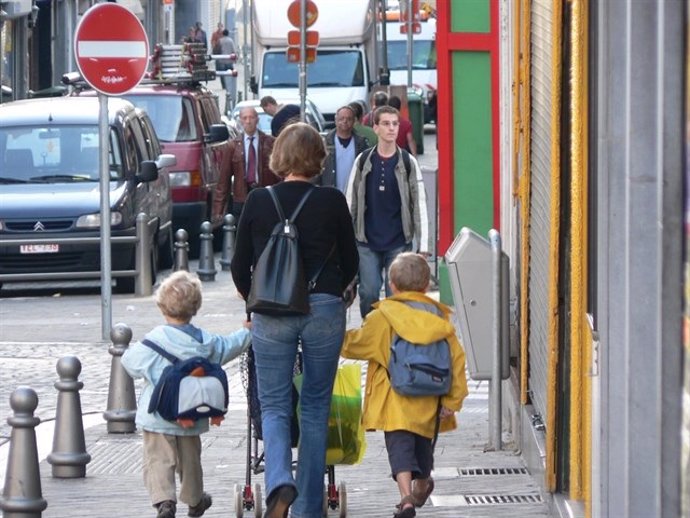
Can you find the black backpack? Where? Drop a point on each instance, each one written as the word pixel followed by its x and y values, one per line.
pixel 279 285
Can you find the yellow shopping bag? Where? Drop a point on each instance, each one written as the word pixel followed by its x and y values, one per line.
pixel 346 443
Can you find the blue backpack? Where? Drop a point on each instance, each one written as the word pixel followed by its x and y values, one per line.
pixel 180 394
pixel 420 369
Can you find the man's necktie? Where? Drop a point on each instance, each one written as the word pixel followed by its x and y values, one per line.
pixel 251 163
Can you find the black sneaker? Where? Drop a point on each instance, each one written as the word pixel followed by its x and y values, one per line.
pixel 166 509
pixel 200 508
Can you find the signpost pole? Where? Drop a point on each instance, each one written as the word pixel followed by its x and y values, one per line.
pixel 106 263
pixel 302 58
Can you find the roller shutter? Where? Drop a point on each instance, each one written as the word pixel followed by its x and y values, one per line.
pixel 540 203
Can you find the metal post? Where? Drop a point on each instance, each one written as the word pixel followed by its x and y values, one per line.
pixel 181 250
pixel 122 405
pixel 144 282
pixel 495 411
pixel 22 496
pixel 245 49
pixel 410 19
pixel 69 457
pixel 207 268
pixel 106 260
pixel 229 229
pixel 302 58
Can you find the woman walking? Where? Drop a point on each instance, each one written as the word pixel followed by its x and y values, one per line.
pixel 327 245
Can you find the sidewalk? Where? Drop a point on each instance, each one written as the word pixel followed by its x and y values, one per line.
pixel 469 482
pixel 466 478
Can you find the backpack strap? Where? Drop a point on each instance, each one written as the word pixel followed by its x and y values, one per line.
pixel 366 155
pixel 279 208
pixel 165 354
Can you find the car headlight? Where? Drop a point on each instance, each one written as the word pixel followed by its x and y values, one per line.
pixel 180 179
pixel 94 220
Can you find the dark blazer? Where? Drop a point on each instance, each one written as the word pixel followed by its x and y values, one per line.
pixel 232 172
pixel 328 171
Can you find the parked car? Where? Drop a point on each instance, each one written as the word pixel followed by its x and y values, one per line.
pixel 49 185
pixel 187 119
pixel 312 115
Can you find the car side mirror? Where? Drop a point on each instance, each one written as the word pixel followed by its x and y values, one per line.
pixel 166 160
pixel 217 133
pixel 148 172
pixel 253 85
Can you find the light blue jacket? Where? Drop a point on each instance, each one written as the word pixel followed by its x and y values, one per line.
pixel 143 362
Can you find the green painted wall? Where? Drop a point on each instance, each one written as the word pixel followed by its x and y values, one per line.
pixel 472 148
pixel 469 15
pixel 473 164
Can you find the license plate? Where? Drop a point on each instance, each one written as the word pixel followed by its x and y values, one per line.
pixel 39 249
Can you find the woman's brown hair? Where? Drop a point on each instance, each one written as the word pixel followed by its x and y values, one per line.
pixel 298 149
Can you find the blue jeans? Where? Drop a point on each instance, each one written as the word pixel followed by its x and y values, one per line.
pixel 275 342
pixel 373 267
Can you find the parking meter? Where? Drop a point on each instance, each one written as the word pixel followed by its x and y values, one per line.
pixel 470 271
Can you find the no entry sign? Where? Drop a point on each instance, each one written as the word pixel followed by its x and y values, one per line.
pixel 112 48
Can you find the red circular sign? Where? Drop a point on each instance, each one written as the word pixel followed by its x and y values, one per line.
pixel 112 48
pixel 294 16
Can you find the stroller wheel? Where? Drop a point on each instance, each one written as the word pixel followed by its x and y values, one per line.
pixel 239 504
pixel 342 497
pixel 258 502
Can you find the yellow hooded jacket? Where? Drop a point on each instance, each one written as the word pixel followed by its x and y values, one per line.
pixel 385 409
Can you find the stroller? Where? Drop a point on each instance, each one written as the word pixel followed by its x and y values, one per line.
pixel 249 498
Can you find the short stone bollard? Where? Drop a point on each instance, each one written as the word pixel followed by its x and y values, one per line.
pixel 207 267
pixel 22 497
pixel 229 229
pixel 69 457
pixel 181 250
pixel 122 405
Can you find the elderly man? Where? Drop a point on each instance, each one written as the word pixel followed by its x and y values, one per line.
pixel 342 146
pixel 246 166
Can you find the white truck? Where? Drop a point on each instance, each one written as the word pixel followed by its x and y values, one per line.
pixel 345 66
pixel 424 77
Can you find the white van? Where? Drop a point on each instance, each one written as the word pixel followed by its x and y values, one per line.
pixel 424 78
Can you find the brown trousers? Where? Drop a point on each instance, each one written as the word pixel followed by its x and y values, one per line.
pixel 166 454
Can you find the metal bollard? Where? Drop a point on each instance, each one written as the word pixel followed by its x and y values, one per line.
pixel 21 497
pixel 207 267
pixel 181 250
pixel 122 406
pixel 143 282
pixel 229 229
pixel 69 457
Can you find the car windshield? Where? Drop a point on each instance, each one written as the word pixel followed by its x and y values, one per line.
pixel 423 55
pixel 54 154
pixel 331 68
pixel 172 116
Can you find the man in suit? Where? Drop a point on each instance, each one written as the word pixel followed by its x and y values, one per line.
pixel 245 167
pixel 342 146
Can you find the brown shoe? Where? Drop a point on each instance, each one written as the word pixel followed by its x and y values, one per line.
pixel 421 490
pixel 405 512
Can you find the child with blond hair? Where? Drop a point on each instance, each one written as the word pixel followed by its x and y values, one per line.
pixel 171 446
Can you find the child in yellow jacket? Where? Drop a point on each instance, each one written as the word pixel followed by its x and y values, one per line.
pixel 409 423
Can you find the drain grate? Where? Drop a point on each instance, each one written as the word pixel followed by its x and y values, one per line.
pixel 532 498
pixel 493 471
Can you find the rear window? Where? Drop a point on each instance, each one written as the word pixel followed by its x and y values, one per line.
pixel 172 116
pixel 54 154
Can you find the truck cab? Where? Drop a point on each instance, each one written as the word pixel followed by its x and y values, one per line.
pixel 345 65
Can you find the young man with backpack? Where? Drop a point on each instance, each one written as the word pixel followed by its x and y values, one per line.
pixel 387 200
pixel 410 422
pixel 173 445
